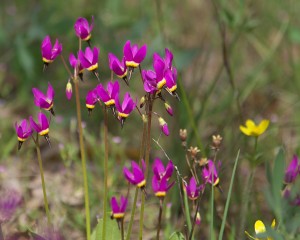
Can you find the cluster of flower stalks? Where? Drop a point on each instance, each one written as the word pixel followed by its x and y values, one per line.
pixel 157 83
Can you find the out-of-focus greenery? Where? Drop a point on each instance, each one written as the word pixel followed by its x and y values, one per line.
pixel 263 40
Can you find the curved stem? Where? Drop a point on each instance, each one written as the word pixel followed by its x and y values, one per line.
pixel 83 161
pixel 122 229
pixel 39 156
pixel 105 173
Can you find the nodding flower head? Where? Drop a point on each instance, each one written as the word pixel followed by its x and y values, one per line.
pixel 136 177
pixel 75 63
pixel 149 79
pixel 108 96
pixel 292 170
pixel 91 100
pixel 192 190
pixel 126 108
pixel 23 131
pixel 171 81
pixel 42 126
pixel 159 68
pixel 161 186
pixel 49 53
pixel 160 171
pixel 118 67
pixel 118 211
pixel 44 101
pixel 210 174
pixel 169 109
pixel 83 29
pixel 163 126
pixel 133 54
pixel 89 58
pixel 251 129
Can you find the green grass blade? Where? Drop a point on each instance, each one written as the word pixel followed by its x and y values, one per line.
pixel 228 197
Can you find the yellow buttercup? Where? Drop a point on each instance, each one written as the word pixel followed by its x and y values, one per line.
pixel 251 129
pixel 259 228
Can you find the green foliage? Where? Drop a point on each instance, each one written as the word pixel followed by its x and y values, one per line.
pixel 176 236
pixel 112 230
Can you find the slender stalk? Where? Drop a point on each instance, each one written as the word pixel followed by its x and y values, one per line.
pixel 142 150
pixel 83 161
pixel 105 173
pixel 149 106
pixel 187 211
pixel 194 219
pixel 159 218
pixel 211 225
pixel 39 156
pixel 122 229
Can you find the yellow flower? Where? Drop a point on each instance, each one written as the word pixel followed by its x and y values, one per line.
pixel 259 228
pixel 254 130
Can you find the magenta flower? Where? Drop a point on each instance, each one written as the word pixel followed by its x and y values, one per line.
pixel 118 211
pixel 161 186
pixel 136 177
pixel 119 68
pixel 75 63
pixel 160 171
pixel 49 53
pixel 126 108
pixel 108 96
pixel 44 101
pixel 292 170
pixel 89 58
pixel 91 100
pixel 192 190
pixel 83 29
pixel 133 55
pixel 159 68
pixel 210 174
pixel 9 202
pixel 167 60
pixel 163 126
pixel 149 79
pixel 69 90
pixel 42 126
pixel 23 131
pixel 171 81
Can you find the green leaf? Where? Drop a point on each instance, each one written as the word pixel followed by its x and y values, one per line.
pixel 176 236
pixel 112 230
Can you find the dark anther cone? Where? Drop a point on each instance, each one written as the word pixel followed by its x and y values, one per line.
pixel 126 80
pixel 176 95
pixel 47 139
pixel 130 70
pixel 90 111
pixel 52 111
pixel 89 43
pixel 45 66
pixel 81 76
pixel 113 108
pixel 122 122
pixel 20 145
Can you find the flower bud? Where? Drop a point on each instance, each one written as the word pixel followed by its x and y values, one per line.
pixel 198 218
pixel 144 117
pixel 163 126
pixel 69 90
pixel 169 109
pixel 183 134
pixel 142 102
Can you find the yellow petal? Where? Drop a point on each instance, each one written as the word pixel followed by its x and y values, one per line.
pixel 245 130
pixel 273 224
pixel 250 124
pixel 262 127
pixel 259 227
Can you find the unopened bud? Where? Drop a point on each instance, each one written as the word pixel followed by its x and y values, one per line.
pixel 163 126
pixel 69 90
pixel 169 109
pixel 198 218
pixel 183 134
pixel 142 101
pixel 144 117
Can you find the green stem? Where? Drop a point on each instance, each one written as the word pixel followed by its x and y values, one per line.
pixel 187 212
pixel 159 218
pixel 122 229
pixel 83 161
pixel 142 150
pixel 149 106
pixel 1 233
pixel 38 151
pixel 191 235
pixel 105 173
pixel 212 235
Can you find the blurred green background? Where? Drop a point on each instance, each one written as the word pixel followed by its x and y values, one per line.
pixel 262 41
